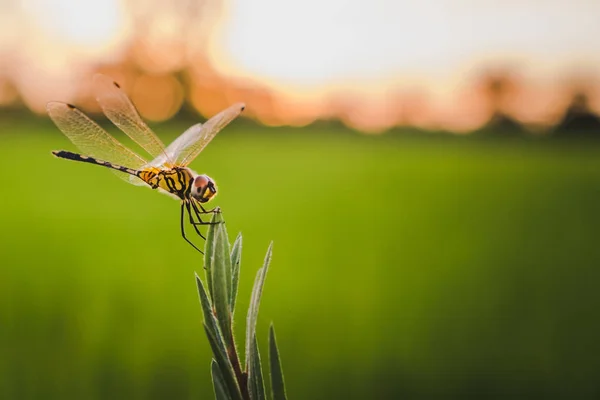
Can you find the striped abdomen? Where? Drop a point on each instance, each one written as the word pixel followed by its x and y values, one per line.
pixel 78 157
pixel 177 181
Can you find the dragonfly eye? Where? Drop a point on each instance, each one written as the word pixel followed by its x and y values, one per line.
pixel 201 182
pixel 204 188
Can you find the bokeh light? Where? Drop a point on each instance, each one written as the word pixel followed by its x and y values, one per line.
pixel 379 58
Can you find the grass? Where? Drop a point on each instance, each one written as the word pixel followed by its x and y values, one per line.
pixel 405 267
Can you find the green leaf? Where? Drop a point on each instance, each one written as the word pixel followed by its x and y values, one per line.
pixel 255 302
pixel 213 332
pixel 256 384
pixel 212 328
pixel 236 259
pixel 209 317
pixel 224 366
pixel 208 250
pixel 221 275
pixel 218 382
pixel 277 384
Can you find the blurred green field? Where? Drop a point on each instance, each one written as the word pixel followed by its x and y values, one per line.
pixel 403 268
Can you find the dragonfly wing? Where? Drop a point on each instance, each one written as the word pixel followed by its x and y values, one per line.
pixel 177 146
pixel 121 111
pixel 91 139
pixel 187 146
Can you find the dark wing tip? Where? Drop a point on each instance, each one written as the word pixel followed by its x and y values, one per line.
pixel 101 79
pixel 55 106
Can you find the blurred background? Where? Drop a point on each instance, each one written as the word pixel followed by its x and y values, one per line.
pixel 429 173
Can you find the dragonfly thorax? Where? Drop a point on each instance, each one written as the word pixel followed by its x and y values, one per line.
pixel 174 181
pixel 181 182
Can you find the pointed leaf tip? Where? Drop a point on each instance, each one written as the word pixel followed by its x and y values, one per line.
pixel 236 260
pixel 252 317
pixel 277 382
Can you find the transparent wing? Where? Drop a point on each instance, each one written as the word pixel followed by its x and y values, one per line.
pixel 176 147
pixel 187 146
pixel 121 111
pixel 91 139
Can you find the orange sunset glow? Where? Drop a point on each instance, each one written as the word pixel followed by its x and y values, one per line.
pixel 371 65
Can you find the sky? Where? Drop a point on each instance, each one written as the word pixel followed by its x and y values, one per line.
pixel 309 50
pixel 317 42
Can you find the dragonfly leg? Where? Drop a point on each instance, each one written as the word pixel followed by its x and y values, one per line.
pixel 183 228
pixel 192 222
pixel 211 211
pixel 198 212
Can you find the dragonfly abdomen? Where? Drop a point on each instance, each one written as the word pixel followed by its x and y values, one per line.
pixel 78 157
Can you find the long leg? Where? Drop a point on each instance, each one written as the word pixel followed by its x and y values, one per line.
pixel 198 212
pixel 183 228
pixel 192 222
pixel 211 211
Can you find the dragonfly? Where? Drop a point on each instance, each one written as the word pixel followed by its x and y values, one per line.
pixel 168 170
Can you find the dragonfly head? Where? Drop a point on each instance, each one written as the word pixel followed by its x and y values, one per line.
pixel 203 188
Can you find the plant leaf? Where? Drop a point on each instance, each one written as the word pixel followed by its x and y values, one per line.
pixel 212 331
pixel 256 384
pixel 218 382
pixel 221 275
pixel 224 366
pixel 255 302
pixel 277 383
pixel 236 259
pixel 208 251
pixel 209 318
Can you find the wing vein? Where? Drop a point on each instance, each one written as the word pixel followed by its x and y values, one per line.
pixel 117 106
pixel 91 139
